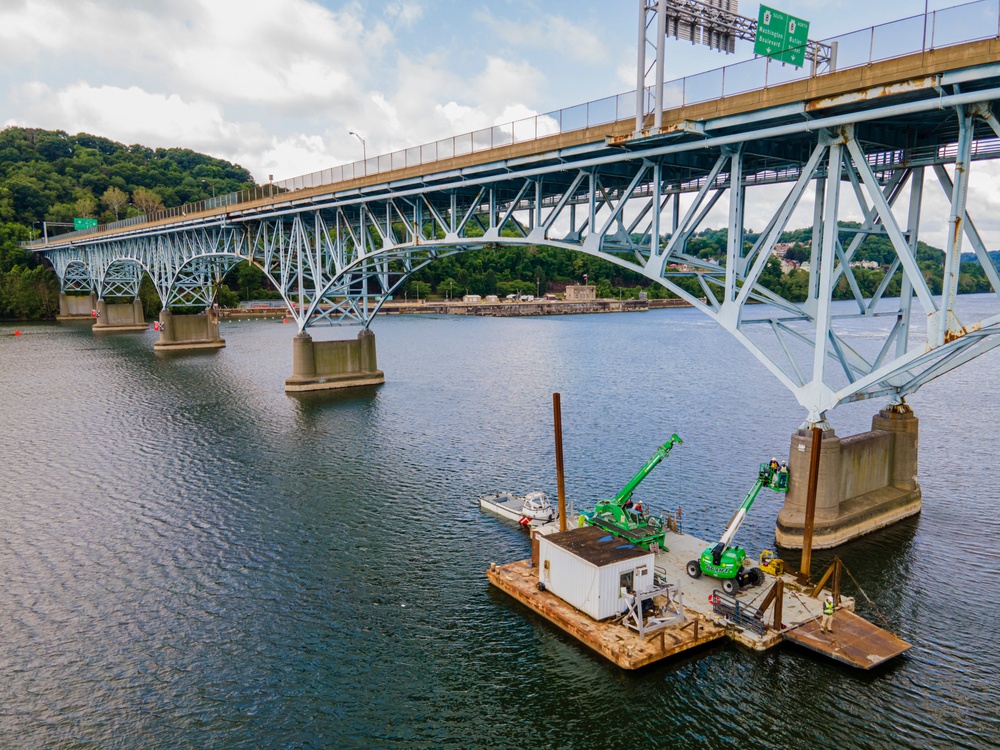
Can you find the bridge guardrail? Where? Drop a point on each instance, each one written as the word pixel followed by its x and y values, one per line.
pixel 959 24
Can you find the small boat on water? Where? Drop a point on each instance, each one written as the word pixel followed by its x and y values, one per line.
pixel 532 509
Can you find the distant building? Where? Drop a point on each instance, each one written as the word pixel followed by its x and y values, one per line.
pixel 581 293
pixel 472 298
pixel 787 266
pixel 492 298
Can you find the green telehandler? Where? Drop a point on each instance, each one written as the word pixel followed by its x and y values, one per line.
pixel 623 519
pixel 726 562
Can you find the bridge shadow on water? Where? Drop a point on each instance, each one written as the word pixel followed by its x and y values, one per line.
pixel 311 404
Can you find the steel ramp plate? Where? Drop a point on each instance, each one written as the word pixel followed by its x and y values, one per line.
pixel 854 641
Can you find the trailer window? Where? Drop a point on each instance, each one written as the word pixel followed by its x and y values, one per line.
pixel 625 582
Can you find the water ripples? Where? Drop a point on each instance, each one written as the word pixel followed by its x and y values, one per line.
pixel 194 559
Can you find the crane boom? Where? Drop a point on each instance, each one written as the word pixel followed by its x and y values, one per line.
pixel 662 452
pixel 741 513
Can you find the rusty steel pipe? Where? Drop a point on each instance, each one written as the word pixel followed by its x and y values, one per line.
pixel 807 531
pixel 560 479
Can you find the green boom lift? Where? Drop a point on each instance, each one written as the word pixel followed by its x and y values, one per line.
pixel 725 562
pixel 619 517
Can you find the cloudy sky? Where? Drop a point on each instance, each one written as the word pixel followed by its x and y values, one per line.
pixel 276 85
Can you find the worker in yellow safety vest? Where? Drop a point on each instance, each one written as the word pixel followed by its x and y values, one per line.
pixel 826 624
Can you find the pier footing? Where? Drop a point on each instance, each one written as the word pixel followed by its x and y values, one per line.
pixel 188 332
pixel 328 365
pixel 116 318
pixel 866 481
pixel 77 307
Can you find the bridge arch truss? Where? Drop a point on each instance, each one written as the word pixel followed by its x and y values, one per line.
pixel 336 256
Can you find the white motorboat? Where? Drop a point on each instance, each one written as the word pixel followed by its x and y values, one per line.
pixel 532 509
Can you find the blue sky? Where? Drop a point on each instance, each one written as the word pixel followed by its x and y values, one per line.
pixel 276 85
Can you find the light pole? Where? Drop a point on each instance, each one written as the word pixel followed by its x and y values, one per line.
pixel 364 151
pixel 205 183
pixel 537 280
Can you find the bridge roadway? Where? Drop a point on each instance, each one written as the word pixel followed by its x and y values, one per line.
pixel 868 134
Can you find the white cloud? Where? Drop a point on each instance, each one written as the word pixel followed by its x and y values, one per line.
pixel 405 12
pixel 553 34
pixel 130 115
pixel 295 155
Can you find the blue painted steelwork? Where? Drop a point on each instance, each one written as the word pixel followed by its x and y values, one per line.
pixel 337 254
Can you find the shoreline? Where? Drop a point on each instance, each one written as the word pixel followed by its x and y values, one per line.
pixel 535 307
pixel 486 309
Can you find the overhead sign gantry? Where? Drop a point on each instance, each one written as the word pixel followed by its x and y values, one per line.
pixel 717 25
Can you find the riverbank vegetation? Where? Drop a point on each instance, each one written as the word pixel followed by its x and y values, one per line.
pixel 53 177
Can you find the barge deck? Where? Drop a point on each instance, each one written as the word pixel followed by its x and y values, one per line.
pixel 855 641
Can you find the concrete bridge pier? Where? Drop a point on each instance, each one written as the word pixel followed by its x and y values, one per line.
pixel 189 332
pixel 77 306
pixel 866 481
pixel 327 365
pixel 120 317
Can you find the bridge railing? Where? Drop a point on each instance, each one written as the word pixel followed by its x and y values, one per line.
pixel 969 22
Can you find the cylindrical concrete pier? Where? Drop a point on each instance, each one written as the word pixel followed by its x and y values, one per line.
pixel 303 357
pixel 328 365
pixel 189 332
pixel 77 306
pixel 899 420
pixel 120 317
pixel 866 481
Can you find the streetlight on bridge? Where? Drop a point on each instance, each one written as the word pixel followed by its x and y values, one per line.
pixel 364 151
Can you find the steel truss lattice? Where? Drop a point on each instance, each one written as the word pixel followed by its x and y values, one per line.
pixel 337 257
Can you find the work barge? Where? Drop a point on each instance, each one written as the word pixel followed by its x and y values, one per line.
pixel 673 613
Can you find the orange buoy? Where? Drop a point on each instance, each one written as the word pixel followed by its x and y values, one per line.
pixel 284 320
pixel 17 333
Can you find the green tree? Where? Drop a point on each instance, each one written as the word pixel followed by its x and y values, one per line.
pixel 86 206
pixel 115 199
pixel 146 200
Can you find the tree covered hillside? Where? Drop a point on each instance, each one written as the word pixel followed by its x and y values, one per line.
pixel 54 177
pixel 51 176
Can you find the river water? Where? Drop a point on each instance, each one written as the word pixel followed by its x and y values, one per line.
pixel 193 559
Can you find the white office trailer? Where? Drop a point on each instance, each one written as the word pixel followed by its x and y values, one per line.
pixel 588 567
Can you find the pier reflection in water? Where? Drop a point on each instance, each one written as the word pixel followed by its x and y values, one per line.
pixel 192 558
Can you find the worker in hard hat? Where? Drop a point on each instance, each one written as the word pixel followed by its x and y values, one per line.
pixel 826 624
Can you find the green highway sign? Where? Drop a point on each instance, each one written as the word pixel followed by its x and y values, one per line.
pixel 781 36
pixel 84 223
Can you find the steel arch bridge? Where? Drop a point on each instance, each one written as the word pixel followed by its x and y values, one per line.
pixel 869 140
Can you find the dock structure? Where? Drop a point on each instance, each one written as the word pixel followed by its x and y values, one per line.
pixel 747 618
pixel 854 641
